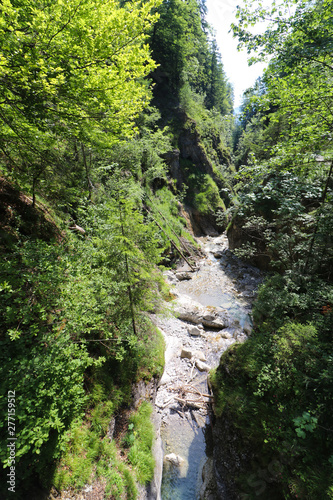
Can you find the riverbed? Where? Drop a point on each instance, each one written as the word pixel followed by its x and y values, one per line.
pixel 211 311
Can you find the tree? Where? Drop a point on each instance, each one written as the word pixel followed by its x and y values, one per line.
pixel 69 72
pixel 219 91
pixel 298 100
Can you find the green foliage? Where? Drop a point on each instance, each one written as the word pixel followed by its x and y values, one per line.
pixel 67 317
pixel 70 74
pixel 142 155
pixel 86 456
pixel 75 127
pixel 219 93
pixel 275 388
pixel 150 352
pixel 163 208
pixel 140 438
pixel 280 216
pixel 189 59
pixel 288 122
pixel 179 42
pixel 203 193
pixel 208 199
pixel 294 295
pixel 305 423
pixel 42 365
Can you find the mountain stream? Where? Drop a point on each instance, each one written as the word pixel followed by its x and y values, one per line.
pixel 211 311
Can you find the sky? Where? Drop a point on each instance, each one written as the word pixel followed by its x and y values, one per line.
pixel 221 13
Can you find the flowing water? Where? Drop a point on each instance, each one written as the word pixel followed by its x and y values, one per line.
pixel 227 286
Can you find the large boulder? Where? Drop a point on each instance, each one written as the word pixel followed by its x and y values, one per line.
pixel 188 309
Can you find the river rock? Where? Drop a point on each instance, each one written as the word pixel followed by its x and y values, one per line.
pixel 199 355
pixel 165 380
pixel 188 309
pixel 174 459
pixel 202 367
pixel 226 333
pixel 186 353
pixel 194 330
pixel 209 316
pixel 182 276
pixel 170 277
pixel 247 328
pixel 217 323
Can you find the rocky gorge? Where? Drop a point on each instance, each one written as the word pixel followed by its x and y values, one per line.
pixel 210 311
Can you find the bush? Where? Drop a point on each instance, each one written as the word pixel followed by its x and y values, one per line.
pixel 275 389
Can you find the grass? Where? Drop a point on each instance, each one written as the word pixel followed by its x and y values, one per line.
pixel 88 453
pixel 141 435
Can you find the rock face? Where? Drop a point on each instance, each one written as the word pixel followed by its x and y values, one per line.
pixel 231 456
pixel 201 224
pixel 171 158
pixel 153 489
pixel 208 490
pixel 191 149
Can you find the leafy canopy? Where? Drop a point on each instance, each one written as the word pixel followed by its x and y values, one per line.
pixel 69 70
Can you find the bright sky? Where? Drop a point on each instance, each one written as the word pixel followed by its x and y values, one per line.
pixel 221 13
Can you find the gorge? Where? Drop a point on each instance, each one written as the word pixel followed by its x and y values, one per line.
pixel 151 239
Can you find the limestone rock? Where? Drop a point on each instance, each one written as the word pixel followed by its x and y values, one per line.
pixel 182 276
pixel 208 490
pixel 199 355
pixel 111 427
pixel 194 330
pixel 209 316
pixel 165 380
pixel 247 328
pixel 186 353
pixel 226 334
pixel 188 309
pixel 229 332
pixel 202 367
pixel 217 323
pixel 170 277
pixel 174 459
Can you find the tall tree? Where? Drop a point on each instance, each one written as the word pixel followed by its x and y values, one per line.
pixel 298 97
pixel 69 71
pixel 219 91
